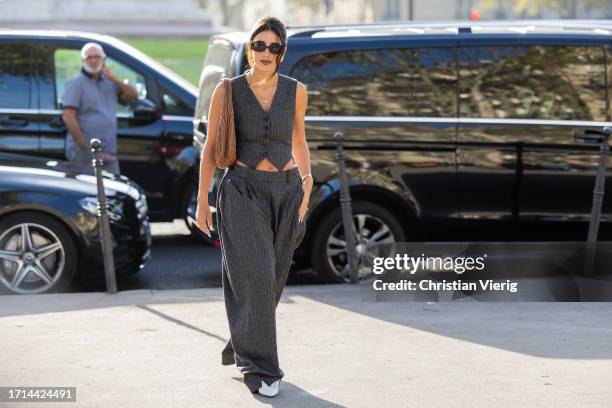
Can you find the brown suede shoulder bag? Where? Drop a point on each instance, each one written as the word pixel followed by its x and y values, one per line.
pixel 225 146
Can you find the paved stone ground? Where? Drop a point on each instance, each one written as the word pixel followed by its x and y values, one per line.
pixel 144 348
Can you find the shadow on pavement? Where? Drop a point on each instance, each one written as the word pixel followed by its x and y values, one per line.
pixel 293 396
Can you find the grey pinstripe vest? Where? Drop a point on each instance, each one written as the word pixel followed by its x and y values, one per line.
pixel 259 133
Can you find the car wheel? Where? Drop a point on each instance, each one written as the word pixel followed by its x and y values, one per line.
pixel 375 225
pixel 37 254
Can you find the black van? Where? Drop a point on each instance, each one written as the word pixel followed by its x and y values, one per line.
pixel 154 135
pixel 453 131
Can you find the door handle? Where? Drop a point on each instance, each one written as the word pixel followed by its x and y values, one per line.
pixel 57 123
pixel 13 123
pixel 592 136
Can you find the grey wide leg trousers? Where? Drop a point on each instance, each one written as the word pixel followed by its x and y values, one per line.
pixel 257 221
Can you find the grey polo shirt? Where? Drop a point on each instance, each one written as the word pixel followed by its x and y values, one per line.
pixel 96 102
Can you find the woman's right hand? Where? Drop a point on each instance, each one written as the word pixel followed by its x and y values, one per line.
pixel 204 219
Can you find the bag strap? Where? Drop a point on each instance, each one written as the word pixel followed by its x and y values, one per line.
pixel 228 86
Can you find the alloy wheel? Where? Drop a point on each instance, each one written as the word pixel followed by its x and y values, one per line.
pixel 371 234
pixel 32 258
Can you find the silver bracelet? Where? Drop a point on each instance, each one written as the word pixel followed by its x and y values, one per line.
pixel 304 177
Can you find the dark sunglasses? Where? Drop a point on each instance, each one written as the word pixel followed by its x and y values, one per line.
pixel 275 48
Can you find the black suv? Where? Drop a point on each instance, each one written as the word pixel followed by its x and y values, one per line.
pixel 453 131
pixel 154 135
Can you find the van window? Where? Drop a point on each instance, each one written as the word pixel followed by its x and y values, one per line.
pixel 217 65
pixel 541 82
pixel 173 105
pixel 382 82
pixel 68 63
pixel 15 75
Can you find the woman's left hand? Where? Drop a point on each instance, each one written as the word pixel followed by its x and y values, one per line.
pixel 302 211
pixel 307 187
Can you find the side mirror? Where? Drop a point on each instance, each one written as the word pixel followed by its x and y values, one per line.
pixel 145 109
pixel 592 136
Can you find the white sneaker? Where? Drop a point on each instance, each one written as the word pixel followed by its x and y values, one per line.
pixel 269 390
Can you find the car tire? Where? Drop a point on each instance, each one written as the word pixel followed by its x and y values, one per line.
pixel 329 259
pixel 59 262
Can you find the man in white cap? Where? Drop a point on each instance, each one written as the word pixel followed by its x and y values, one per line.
pixel 90 109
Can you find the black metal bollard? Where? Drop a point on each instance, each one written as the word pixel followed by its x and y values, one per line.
pixel 105 232
pixel 595 137
pixel 350 235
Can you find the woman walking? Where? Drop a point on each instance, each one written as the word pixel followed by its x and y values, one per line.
pixel 261 201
